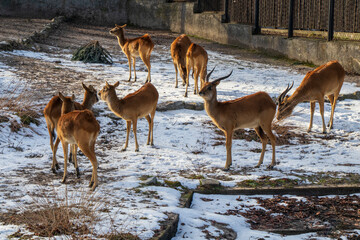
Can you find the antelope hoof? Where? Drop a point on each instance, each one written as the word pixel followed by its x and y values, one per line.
pixel 185 95
pixel 53 170
pixel 226 169
pixel 129 79
pixel 176 86
pixel 93 187
pixel 91 184
pixel 63 180
pixel 270 167
pixel 123 149
pixel 257 166
pixel 324 132
pixel 77 173
pixel 309 130
pixel 137 150
pixel 57 166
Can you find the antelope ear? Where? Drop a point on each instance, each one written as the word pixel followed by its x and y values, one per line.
pixel 216 82
pixel 117 84
pixel 73 97
pixel 123 25
pixel 61 96
pixel 84 86
pixel 117 25
pixel 107 84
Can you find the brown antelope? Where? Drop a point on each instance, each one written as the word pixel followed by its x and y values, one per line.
pixel 178 50
pixel 135 47
pixel 52 113
pixel 78 128
pixel 325 80
pixel 196 59
pixel 141 103
pixel 253 111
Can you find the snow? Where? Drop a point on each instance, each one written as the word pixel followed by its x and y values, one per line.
pixel 185 144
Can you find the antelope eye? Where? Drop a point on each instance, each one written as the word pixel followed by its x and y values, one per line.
pixel 210 88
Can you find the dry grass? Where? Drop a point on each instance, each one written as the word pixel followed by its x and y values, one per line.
pixel 52 214
pixel 20 102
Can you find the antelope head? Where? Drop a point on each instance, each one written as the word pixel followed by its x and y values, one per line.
pixel 67 103
pixel 117 30
pixel 104 93
pixel 208 91
pixel 285 107
pixel 90 93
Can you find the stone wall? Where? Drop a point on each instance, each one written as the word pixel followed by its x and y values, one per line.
pixel 104 12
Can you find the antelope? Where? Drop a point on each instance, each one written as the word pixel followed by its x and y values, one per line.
pixel 196 59
pixel 52 113
pixel 325 80
pixel 141 103
pixel 135 47
pixel 253 111
pixel 78 128
pixel 178 50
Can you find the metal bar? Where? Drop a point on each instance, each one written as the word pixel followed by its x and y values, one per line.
pixel 225 18
pixel 257 29
pixel 331 20
pixel 291 19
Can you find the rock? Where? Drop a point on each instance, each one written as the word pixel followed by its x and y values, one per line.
pixel 209 183
pixel 150 181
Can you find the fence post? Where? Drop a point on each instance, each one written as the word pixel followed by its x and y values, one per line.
pixel 257 29
pixel 331 20
pixel 197 7
pixel 225 18
pixel 291 20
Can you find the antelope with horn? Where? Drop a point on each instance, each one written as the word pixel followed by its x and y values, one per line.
pixel 79 128
pixel 178 51
pixel 141 103
pixel 196 59
pixel 134 47
pixel 325 80
pixel 52 113
pixel 253 111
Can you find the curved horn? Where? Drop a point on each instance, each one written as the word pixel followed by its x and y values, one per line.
pixel 222 78
pixel 208 75
pixel 283 94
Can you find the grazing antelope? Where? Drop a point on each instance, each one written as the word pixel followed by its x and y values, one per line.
pixel 325 80
pixel 78 128
pixel 135 47
pixel 178 50
pixel 253 111
pixel 141 103
pixel 196 59
pixel 52 113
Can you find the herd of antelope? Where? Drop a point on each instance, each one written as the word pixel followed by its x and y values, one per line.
pixel 76 125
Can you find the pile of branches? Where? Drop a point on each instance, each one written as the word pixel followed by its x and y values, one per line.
pixel 92 53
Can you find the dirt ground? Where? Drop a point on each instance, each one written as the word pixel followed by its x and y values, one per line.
pixel 72 35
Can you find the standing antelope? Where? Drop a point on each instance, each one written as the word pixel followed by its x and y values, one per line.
pixel 52 113
pixel 325 80
pixel 178 50
pixel 135 47
pixel 141 103
pixel 78 128
pixel 253 111
pixel 196 59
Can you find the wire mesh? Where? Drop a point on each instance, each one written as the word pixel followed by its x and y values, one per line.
pixel 311 17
